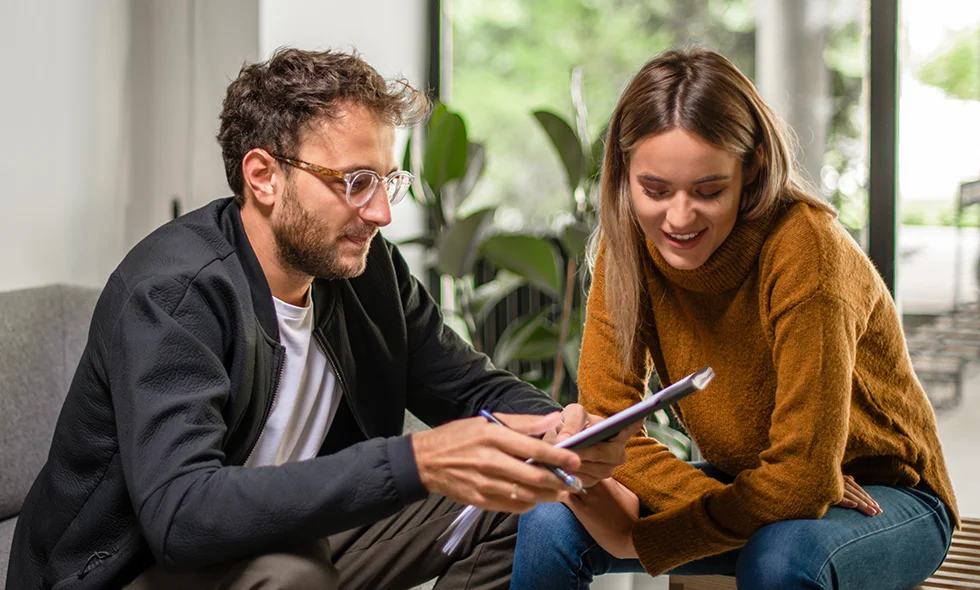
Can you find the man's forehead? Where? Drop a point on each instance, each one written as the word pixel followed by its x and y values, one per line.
pixel 346 118
pixel 354 133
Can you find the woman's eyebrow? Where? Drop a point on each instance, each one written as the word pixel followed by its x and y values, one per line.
pixel 711 178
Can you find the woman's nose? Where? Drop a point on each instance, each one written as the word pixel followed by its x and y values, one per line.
pixel 680 211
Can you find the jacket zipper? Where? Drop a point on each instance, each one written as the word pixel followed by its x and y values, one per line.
pixel 325 348
pixel 268 406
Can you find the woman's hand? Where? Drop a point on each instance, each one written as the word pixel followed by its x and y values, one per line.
pixel 608 512
pixel 855 497
pixel 598 461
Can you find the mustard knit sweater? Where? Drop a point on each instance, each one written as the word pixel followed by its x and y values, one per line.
pixel 813 381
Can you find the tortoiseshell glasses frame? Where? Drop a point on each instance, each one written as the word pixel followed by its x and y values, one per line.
pixel 361 184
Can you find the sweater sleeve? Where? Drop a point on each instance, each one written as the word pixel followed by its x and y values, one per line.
pixel 799 477
pixel 607 385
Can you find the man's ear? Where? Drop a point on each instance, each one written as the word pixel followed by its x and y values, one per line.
pixel 751 170
pixel 261 173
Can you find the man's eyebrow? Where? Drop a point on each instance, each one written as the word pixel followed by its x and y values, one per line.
pixel 711 178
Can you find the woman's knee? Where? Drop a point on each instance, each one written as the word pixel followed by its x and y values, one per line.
pixel 782 555
pixel 550 525
pixel 555 551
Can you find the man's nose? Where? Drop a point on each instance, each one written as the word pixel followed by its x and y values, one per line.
pixel 377 211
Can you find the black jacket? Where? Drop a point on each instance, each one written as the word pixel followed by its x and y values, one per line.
pixel 176 381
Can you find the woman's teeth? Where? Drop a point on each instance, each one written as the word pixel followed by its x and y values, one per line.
pixel 684 237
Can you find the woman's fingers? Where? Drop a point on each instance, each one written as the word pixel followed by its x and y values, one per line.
pixel 855 497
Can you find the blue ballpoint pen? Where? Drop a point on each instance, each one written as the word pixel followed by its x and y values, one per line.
pixel 569 479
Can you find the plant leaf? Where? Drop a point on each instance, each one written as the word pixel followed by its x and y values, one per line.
pixel 476 163
pixel 457 245
pixel 570 356
pixel 661 417
pixel 574 238
pixel 526 338
pixel 445 149
pixel 407 165
pixel 424 241
pixel 489 294
pixel 678 444
pixel 568 145
pixel 530 256
pixel 596 152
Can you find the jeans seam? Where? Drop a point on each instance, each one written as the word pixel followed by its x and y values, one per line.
pixel 871 534
pixel 581 561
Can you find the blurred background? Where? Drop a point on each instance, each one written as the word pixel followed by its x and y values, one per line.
pixel 109 108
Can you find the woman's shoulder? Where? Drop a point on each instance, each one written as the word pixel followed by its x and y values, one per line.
pixel 808 249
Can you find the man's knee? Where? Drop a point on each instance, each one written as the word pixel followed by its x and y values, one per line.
pixel 289 571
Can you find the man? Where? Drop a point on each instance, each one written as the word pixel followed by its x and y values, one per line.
pixel 235 420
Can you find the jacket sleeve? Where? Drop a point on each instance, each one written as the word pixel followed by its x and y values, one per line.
pixel 448 379
pixel 800 475
pixel 169 387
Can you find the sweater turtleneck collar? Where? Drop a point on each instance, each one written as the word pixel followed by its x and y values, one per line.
pixel 728 266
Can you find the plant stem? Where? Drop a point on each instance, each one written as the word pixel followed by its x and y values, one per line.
pixel 566 320
pixel 466 311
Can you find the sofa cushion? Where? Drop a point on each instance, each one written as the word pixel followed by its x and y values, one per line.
pixel 6 538
pixel 42 334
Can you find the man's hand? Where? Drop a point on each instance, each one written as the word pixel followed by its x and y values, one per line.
pixel 475 462
pixel 598 461
pixel 608 512
pixel 855 497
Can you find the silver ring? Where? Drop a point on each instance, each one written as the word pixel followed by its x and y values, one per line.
pixel 513 493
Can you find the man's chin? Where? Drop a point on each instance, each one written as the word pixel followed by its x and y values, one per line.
pixel 351 266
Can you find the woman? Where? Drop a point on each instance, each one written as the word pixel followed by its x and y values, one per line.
pixel 710 251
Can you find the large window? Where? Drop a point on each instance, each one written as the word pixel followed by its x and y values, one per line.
pixel 811 61
pixel 511 57
pixel 939 241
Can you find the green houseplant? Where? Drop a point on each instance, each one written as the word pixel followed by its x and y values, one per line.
pixel 550 261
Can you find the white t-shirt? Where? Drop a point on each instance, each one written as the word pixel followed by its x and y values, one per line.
pixel 307 398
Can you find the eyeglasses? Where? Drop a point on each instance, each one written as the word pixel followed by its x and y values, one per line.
pixel 361 184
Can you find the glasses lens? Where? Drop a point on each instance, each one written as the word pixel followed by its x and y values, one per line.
pixel 361 186
pixel 397 185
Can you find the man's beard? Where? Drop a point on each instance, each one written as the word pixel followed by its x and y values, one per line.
pixel 300 245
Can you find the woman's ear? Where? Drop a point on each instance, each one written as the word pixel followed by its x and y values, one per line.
pixel 260 172
pixel 751 170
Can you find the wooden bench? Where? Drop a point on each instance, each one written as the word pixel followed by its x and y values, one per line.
pixel 960 569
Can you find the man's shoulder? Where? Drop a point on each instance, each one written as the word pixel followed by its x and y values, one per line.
pixel 178 250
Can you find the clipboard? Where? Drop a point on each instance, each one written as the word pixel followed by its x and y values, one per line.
pixel 615 424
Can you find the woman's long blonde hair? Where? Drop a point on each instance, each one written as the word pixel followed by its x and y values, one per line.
pixel 702 92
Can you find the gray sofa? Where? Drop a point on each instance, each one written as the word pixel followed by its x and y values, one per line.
pixel 42 334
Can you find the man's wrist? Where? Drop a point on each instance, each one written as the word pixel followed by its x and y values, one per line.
pixel 405 469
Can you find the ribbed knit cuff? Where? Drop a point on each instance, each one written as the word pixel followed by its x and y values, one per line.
pixel 675 537
pixel 404 470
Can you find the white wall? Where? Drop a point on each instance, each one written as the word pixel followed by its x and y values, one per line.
pixel 108 110
pixel 186 54
pixel 61 157
pixel 391 35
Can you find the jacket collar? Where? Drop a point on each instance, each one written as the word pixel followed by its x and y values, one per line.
pixel 322 290
pixel 230 220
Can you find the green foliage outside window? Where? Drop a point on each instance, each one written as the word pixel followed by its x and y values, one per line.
pixel 957 70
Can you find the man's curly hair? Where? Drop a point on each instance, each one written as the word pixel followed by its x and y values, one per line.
pixel 270 103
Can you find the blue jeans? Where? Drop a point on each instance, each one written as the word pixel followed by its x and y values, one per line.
pixel 845 549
